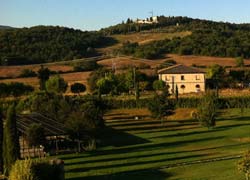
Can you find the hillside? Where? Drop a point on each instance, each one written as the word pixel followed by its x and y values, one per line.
pixel 5 27
pixel 171 35
pixel 205 38
pixel 43 44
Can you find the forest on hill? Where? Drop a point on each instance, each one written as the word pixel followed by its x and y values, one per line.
pixel 208 38
pixel 41 44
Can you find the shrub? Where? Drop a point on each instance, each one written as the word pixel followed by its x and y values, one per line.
pixel 36 170
pixel 22 170
pixel 77 88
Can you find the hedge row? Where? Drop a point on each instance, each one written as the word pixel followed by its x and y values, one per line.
pixel 224 103
pixel 127 104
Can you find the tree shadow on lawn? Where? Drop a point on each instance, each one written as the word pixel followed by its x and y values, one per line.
pixel 139 164
pixel 144 155
pixel 118 138
pixel 182 134
pixel 226 127
pixel 150 154
pixel 235 118
pixel 154 146
pixel 146 174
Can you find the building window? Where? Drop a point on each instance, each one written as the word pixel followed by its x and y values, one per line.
pixel 183 88
pixel 182 78
pixel 197 88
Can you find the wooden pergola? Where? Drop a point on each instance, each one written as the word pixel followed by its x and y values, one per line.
pixel 54 131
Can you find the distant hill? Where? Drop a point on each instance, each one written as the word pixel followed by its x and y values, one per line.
pixel 5 27
pixel 207 38
pixel 170 35
pixel 171 23
pixel 43 44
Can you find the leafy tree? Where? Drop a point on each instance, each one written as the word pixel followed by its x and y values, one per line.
pixel 56 84
pixel 216 73
pixel 84 122
pixel 93 78
pixel 43 75
pixel 239 61
pixel 11 149
pixel 244 165
pixel 77 88
pixel 161 106
pixel 35 135
pixel 207 111
pixel 105 85
pixel 1 142
pixel 53 105
pixel 159 85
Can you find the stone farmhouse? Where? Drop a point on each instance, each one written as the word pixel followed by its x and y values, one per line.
pixel 186 79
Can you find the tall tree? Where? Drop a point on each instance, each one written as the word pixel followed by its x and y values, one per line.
pixel 207 110
pixel 161 106
pixel 1 142
pixel 43 75
pixel 11 148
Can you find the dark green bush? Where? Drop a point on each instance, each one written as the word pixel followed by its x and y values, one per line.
pixel 14 89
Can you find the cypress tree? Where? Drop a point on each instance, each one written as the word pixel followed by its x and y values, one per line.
pixel 11 149
pixel 1 142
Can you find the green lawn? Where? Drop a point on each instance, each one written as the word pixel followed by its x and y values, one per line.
pixel 140 149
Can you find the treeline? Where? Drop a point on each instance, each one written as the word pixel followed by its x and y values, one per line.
pixel 43 44
pixel 14 89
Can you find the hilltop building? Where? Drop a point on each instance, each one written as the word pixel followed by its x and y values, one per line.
pixel 150 20
pixel 187 79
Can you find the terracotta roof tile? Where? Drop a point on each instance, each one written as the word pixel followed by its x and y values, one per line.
pixel 179 69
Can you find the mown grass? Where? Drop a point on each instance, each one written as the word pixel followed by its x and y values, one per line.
pixel 141 148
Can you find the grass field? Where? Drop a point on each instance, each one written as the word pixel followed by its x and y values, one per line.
pixel 141 148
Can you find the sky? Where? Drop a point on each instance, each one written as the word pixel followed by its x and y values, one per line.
pixel 97 14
